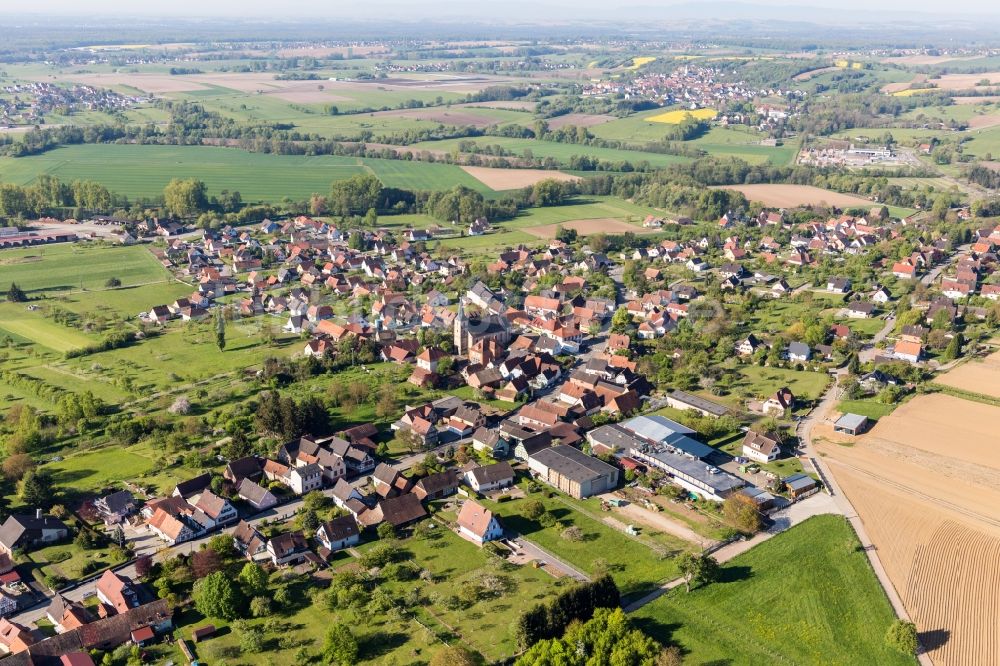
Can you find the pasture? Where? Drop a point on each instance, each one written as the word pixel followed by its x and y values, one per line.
pixel 587 227
pixel 144 170
pixel 65 266
pixel 806 596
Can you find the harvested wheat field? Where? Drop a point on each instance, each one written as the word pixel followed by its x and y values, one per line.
pixel 605 225
pixel 976 100
pixel 511 105
pixel 513 179
pixel 790 196
pixel 579 120
pixel 926 483
pixel 984 121
pixel 976 376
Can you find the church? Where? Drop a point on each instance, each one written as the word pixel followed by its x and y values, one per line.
pixel 486 327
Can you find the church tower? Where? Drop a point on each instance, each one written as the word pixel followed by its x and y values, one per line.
pixel 461 329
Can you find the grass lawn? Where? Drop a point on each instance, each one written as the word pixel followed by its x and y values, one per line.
pixel 69 266
pixel 93 470
pixel 864 327
pixel 468 393
pixel 806 385
pixel 807 596
pixel 20 323
pixel 873 410
pixel 636 564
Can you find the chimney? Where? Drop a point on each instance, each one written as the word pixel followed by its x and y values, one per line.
pixel 38 514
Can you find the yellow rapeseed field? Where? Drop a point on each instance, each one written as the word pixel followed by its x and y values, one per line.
pixel 910 92
pixel 676 116
pixel 640 61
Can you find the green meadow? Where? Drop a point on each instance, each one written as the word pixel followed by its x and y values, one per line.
pixel 144 170
pixel 807 596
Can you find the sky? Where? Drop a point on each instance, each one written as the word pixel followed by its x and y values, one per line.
pixel 525 10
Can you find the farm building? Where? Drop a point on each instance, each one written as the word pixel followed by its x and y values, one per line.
pixel 851 424
pixel 573 471
pixel 800 485
pixel 683 400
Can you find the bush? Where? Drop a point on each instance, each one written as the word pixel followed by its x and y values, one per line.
pixel 902 636
pixel 260 606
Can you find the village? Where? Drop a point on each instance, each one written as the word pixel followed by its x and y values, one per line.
pixel 551 360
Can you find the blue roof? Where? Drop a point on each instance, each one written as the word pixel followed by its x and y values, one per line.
pixel 663 430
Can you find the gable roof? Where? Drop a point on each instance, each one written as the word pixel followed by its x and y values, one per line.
pixel 475 517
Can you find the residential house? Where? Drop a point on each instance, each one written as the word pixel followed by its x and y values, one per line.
pixel 249 542
pixel 118 593
pixel 338 533
pixel 25 531
pixel 782 400
pixel 478 523
pixel 116 507
pixel 798 351
pixel 255 495
pixel 490 477
pixel 287 548
pixel 436 486
pixel 760 448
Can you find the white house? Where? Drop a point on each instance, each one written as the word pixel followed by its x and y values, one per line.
pixel 760 448
pixel 478 523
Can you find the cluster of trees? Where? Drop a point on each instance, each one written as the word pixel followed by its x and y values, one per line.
pixel 48 194
pixel 282 416
pixel 548 621
pixel 609 638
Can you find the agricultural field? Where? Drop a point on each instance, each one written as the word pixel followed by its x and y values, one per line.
pixel 790 196
pixel 975 376
pixel 513 179
pixel 561 152
pixel 925 482
pixel 676 116
pixel 806 596
pixel 586 227
pixel 144 170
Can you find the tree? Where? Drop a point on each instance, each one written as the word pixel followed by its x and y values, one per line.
pixel 902 636
pixel 251 637
pixel 740 511
pixel 220 329
pixel 455 655
pixel 566 235
pixel 15 294
pixel 621 320
pixel 205 562
pixel 340 646
pixel 36 488
pixel 954 348
pixel 260 606
pixel 533 509
pixel 253 579
pixel 185 198
pixel 113 283
pixel 143 565
pixel 215 595
pixel 385 531
pixel 17 465
pixel 697 568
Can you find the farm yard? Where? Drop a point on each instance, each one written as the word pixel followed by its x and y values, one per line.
pixel 807 596
pixel 925 481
